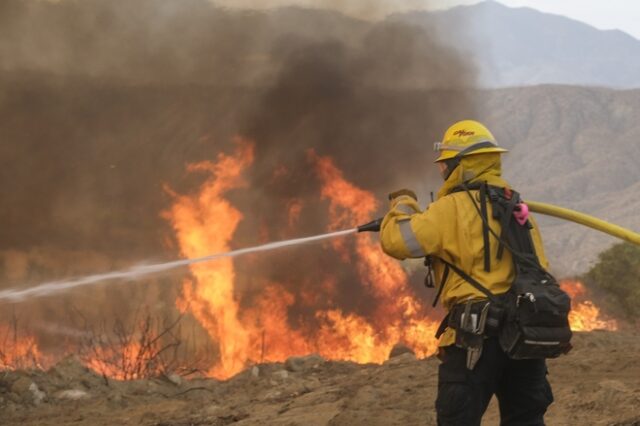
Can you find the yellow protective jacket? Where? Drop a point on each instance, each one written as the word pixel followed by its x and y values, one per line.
pixel 451 229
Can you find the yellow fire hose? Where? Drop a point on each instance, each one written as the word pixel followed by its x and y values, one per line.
pixel 584 219
pixel 555 211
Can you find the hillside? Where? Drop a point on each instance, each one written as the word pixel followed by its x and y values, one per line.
pixel 523 46
pixel 574 147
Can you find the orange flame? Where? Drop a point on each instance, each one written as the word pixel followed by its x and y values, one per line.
pixel 584 315
pixel 18 351
pixel 205 224
pixel 121 363
pixel 399 317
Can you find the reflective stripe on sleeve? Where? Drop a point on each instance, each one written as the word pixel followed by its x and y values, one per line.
pixel 406 209
pixel 410 239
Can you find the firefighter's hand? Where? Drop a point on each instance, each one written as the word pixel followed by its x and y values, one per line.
pixel 402 192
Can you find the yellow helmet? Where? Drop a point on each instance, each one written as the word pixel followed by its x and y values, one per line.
pixel 466 137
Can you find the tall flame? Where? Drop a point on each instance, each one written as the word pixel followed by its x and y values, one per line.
pixel 398 317
pixel 205 224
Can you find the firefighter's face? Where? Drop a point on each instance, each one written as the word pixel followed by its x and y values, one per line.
pixel 442 168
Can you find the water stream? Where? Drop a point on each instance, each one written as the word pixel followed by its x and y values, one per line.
pixel 136 272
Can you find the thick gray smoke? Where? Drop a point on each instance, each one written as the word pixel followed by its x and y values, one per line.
pixel 102 102
pixel 371 103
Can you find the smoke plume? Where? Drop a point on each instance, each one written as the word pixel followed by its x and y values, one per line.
pixel 104 102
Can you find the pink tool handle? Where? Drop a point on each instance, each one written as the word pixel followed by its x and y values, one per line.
pixel 522 215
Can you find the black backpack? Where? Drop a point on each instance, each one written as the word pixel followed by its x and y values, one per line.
pixel 534 313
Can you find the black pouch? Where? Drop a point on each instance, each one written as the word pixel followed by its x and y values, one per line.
pixel 536 321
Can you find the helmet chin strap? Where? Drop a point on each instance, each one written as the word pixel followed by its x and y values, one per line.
pixel 454 162
pixel 451 166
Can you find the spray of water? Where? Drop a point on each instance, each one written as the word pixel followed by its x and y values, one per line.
pixel 136 272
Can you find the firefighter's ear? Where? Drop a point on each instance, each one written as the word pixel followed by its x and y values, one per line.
pixel 443 169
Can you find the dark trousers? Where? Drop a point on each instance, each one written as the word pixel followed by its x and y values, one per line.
pixel 521 387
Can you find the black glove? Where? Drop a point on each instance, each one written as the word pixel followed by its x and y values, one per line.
pixel 402 192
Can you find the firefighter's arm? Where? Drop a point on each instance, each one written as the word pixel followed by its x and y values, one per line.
pixel 406 231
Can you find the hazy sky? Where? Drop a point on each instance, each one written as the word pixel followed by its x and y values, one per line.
pixel 603 14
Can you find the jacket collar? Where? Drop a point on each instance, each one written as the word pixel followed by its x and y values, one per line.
pixel 475 168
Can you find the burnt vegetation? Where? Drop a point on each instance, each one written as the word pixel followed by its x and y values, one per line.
pixel 147 347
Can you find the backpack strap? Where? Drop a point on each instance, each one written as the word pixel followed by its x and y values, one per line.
pixel 485 227
pixel 520 245
pixel 443 281
pixel 443 325
pixel 465 186
pixel 484 191
pixel 507 216
pixel 468 278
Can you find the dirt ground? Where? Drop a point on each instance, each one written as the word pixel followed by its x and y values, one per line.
pixel 597 384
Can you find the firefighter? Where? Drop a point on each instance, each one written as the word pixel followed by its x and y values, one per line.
pixel 451 231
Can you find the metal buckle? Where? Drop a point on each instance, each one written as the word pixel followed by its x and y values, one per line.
pixel 474 325
pixel 484 314
pixel 471 322
pixel 528 296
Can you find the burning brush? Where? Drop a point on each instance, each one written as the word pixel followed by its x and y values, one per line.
pixel 286 320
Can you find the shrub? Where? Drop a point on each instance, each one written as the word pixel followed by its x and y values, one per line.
pixel 617 276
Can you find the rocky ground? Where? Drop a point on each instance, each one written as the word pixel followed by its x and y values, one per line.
pixel 597 384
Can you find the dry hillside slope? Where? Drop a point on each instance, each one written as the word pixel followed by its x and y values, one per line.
pixel 576 147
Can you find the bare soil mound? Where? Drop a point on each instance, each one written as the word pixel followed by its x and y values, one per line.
pixel 597 384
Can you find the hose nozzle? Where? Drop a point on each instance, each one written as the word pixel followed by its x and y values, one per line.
pixel 373 226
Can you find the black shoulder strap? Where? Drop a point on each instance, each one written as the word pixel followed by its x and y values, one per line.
pixel 445 321
pixel 506 218
pixel 485 227
pixel 443 282
pixel 468 278
pixel 483 188
pixel 443 325
pixel 522 250
pixel 465 187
